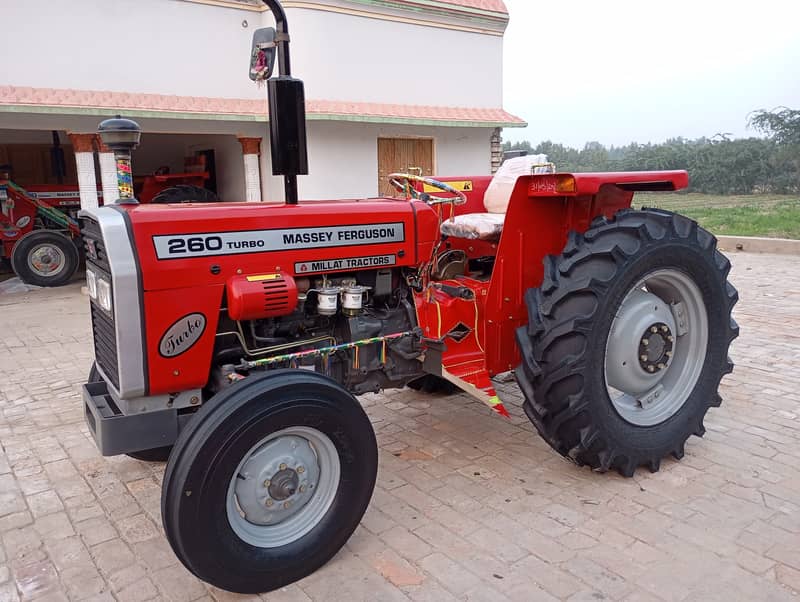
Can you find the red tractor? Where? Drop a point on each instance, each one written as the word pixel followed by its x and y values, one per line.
pixel 39 229
pixel 232 338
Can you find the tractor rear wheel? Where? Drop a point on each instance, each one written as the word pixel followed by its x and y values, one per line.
pixel 45 258
pixel 628 340
pixel 268 481
pixel 157 454
pixel 184 193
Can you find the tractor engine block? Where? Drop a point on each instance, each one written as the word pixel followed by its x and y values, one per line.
pixel 322 312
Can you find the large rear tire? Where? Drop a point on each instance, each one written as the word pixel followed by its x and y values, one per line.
pixel 184 193
pixel 45 258
pixel 628 340
pixel 268 481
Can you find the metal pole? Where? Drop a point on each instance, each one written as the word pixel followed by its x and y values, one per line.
pixel 285 70
pixel 282 29
pixel 290 186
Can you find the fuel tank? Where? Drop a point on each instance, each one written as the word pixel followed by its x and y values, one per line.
pixel 190 245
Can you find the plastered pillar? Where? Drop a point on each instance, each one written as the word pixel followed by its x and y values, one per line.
pixel 83 145
pixel 108 172
pixel 251 148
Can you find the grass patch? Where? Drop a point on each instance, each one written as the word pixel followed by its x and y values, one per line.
pixel 757 215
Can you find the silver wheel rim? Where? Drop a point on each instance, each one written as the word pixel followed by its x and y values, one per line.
pixel 46 260
pixel 283 487
pixel 656 347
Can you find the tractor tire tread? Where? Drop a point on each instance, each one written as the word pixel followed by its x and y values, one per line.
pixel 554 344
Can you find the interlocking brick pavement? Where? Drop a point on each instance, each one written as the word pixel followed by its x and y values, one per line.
pixel 467 507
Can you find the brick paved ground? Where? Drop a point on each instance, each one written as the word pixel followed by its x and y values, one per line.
pixel 467 506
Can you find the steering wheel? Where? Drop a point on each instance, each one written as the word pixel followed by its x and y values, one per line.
pixel 402 183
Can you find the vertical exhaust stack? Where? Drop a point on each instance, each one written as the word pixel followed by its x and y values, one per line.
pixel 287 112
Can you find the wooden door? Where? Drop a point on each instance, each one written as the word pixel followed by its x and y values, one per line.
pixel 406 155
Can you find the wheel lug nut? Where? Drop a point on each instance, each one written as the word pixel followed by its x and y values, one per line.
pixel 671 339
pixel 664 329
pixel 661 366
pixel 668 354
pixel 301 470
pixel 287 504
pixel 643 358
pixel 645 342
pixel 282 467
pixel 654 329
pixel 302 488
pixel 651 368
pixel 266 483
pixel 270 502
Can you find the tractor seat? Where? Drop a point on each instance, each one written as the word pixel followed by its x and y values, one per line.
pixel 475 226
pixel 489 226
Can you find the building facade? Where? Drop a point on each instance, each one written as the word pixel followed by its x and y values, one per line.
pixel 390 85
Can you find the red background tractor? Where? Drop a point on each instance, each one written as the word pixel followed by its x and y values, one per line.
pixel 39 229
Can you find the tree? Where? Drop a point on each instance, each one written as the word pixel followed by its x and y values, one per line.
pixel 719 164
pixel 782 125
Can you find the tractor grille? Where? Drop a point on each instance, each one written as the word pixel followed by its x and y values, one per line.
pixel 105 343
pixel 93 247
pixel 103 328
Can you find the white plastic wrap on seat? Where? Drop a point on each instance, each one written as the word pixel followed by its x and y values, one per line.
pixel 475 226
pixel 489 226
pixel 502 185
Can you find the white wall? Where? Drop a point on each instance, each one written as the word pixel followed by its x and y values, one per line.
pixel 341 57
pixel 170 149
pixel 190 49
pixel 230 167
pixel 158 46
pixel 343 157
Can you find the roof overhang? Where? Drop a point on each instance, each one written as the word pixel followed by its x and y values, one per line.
pixel 14 99
pixel 478 16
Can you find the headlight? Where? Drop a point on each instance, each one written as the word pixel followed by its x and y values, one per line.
pixel 91 283
pixel 104 294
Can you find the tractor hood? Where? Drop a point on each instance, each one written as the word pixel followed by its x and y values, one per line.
pixel 190 245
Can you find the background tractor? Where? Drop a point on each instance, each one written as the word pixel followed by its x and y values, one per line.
pixel 232 338
pixel 39 234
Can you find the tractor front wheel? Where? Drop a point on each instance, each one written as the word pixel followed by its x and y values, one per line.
pixel 45 258
pixel 268 481
pixel 628 340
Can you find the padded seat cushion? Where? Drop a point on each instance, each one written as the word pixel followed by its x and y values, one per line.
pixel 475 226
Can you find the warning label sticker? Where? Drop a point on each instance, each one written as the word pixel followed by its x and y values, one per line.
pixel 461 185
pixel 337 265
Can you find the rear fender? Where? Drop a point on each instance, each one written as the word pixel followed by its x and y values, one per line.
pixel 542 211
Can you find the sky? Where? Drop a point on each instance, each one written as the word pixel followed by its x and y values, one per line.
pixel 621 71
